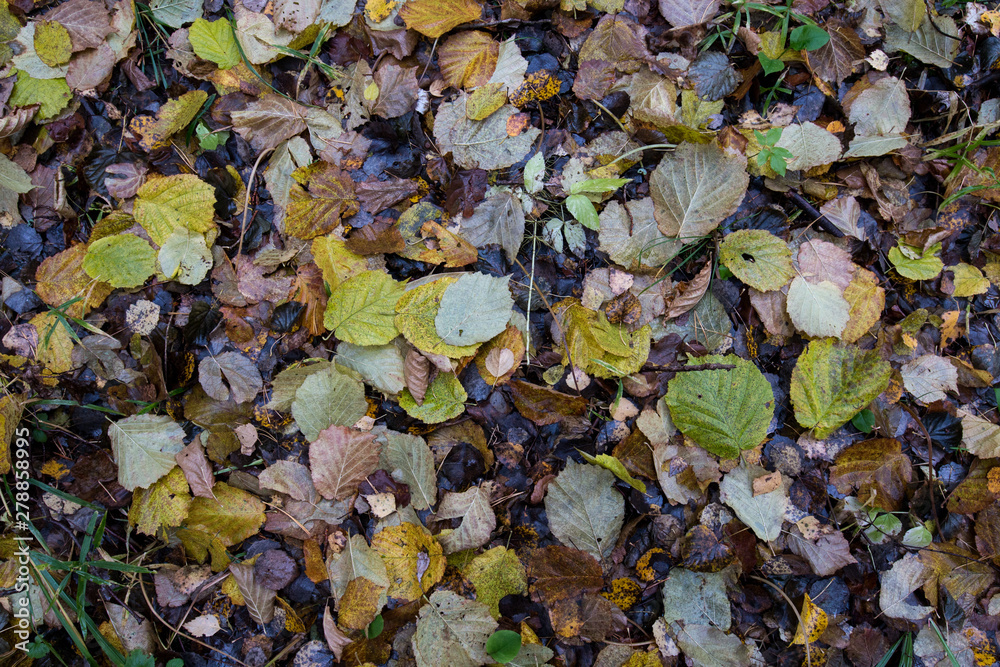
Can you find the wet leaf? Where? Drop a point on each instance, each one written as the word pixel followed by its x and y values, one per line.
pixel 318 207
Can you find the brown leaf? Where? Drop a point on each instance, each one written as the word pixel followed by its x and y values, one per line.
pixel 563 580
pixel 376 196
pixel 128 178
pixel 867 646
pixel 546 406
pixel 689 293
pixel 341 458
pixel 877 469
pixel 499 361
pixel 840 57
pixel 416 375
pixel 454 250
pixel 397 90
pixel 335 638
pixel 91 69
pixel 259 600
pixel 247 435
pixel 826 554
pixel 268 121
pixel 197 469
pixel 974 493
pixel 16 120
pixel 704 550
pixel 381 236
pixel 87 22
pixel 988 533
pixel 275 569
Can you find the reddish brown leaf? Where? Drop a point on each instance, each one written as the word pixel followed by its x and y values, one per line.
pixel 546 406
pixel 416 375
pixel 341 458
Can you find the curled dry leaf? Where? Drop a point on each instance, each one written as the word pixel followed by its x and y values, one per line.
pixel 197 469
pixel 416 374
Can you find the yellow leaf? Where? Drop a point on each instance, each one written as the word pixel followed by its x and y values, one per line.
pixel 55 346
pixel 335 261
pixel 52 43
pixel 415 314
pixel 183 200
pixel 165 504
pixel 61 278
pixel 969 281
pixel 233 516
pixel 171 118
pixel 330 197
pixel 434 18
pixel 814 621
pixel 468 59
pixel 11 408
pixel 485 100
pixel 413 560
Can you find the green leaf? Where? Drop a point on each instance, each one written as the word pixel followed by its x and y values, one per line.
pixel 328 397
pixel 758 258
pixel 144 447
pixel 52 95
pixel 724 411
pixel 808 38
pixel 778 163
pixel 614 465
pixel 137 658
pixel 209 140
pixel 534 173
pixel 375 627
pixel 584 509
pixel 363 308
pixel 831 384
pixel 409 460
pixel 503 646
pixel 445 399
pixel 124 260
pixel 474 309
pixel 597 186
pixel 380 365
pixel 583 210
pixel 182 200
pixel 215 41
pixel 864 421
pixel 185 257
pixel 13 177
pixel 916 264
pixel 175 13
pixel 770 65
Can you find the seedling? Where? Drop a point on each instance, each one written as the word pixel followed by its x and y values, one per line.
pixel 770 154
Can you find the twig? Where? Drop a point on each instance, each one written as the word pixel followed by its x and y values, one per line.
pixel 693 367
pixel 930 465
pixel 809 209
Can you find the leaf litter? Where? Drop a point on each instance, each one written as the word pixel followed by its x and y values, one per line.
pixel 605 332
